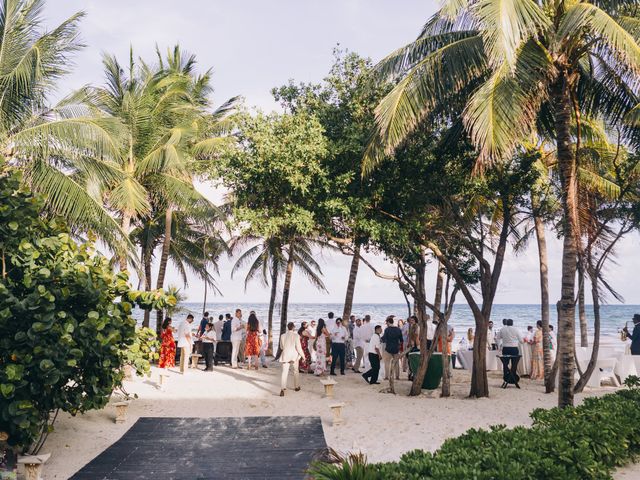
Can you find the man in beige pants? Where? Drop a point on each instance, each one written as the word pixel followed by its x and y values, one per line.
pixel 290 357
pixel 185 342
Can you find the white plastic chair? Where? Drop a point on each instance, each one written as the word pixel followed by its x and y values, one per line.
pixel 603 370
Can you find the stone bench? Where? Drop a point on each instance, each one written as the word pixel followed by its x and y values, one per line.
pixel 328 387
pixel 33 465
pixel 163 376
pixel 121 411
pixel 336 408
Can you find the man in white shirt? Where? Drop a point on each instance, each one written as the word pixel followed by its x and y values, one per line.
pixel 339 335
pixel 185 342
pixel 359 344
pixel 511 339
pixel 218 327
pixel 491 338
pixel 290 355
pixel 374 354
pixel 236 337
pixel 431 331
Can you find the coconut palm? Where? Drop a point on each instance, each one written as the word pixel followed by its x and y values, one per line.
pixel 511 68
pixel 267 264
pixel 271 258
pixel 195 246
pixel 162 109
pixel 64 150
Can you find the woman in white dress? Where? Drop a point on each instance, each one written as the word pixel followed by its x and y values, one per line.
pixel 322 334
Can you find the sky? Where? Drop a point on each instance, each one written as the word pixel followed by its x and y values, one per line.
pixel 255 45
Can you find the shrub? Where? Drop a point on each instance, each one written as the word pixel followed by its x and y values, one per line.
pixel 585 442
pixel 65 318
pixel 142 351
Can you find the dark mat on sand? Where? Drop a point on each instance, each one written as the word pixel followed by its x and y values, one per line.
pixel 210 448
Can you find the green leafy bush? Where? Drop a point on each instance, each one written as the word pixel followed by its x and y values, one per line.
pixel 585 442
pixel 65 318
pixel 143 351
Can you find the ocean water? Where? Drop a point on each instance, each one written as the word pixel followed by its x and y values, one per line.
pixel 613 317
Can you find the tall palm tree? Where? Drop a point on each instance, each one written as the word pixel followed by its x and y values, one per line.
pixel 515 67
pixel 162 112
pixel 195 246
pixel 272 258
pixel 267 264
pixel 64 150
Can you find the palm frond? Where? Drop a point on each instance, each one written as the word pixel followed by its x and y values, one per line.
pixel 506 26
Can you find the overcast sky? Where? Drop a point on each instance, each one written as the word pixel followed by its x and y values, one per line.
pixel 254 45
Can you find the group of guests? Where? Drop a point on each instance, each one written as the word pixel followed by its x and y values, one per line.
pixel 508 340
pixel 323 347
pixel 248 340
pixel 319 347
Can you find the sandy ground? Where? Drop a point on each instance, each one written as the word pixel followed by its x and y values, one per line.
pixel 382 425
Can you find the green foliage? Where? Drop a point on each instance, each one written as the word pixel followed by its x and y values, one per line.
pixel 352 467
pixel 65 318
pixel 585 442
pixel 344 105
pixel 142 351
pixel 276 174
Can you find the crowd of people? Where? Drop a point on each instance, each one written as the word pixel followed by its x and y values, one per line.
pixel 333 346
pixel 322 347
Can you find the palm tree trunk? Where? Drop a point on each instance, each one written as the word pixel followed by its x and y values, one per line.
pixel 126 225
pixel 446 372
pixel 544 298
pixel 595 297
pixel 272 303
pixel 146 260
pixel 206 284
pixel 164 260
pixel 351 286
pixel 285 293
pixel 582 314
pixel 568 180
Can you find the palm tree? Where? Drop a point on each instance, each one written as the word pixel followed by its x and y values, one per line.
pixel 513 68
pixel 161 109
pixel 271 258
pixel 64 150
pixel 267 264
pixel 164 111
pixel 195 246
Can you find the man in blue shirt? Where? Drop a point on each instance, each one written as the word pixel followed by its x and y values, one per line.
pixel 203 324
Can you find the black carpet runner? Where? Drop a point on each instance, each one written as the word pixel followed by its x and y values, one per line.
pixel 210 448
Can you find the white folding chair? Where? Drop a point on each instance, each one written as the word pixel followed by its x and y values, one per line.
pixel 604 369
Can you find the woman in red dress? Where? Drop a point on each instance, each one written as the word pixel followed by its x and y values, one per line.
pixel 305 363
pixel 252 348
pixel 168 346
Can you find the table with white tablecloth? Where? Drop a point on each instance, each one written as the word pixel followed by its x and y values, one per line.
pixel 465 359
pixel 524 365
pixel 625 367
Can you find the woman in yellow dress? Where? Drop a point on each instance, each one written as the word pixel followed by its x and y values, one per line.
pixel 537 355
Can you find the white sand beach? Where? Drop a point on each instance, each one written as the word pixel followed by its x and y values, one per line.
pixel 382 425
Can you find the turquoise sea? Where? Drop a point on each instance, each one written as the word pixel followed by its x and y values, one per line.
pixel 613 316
